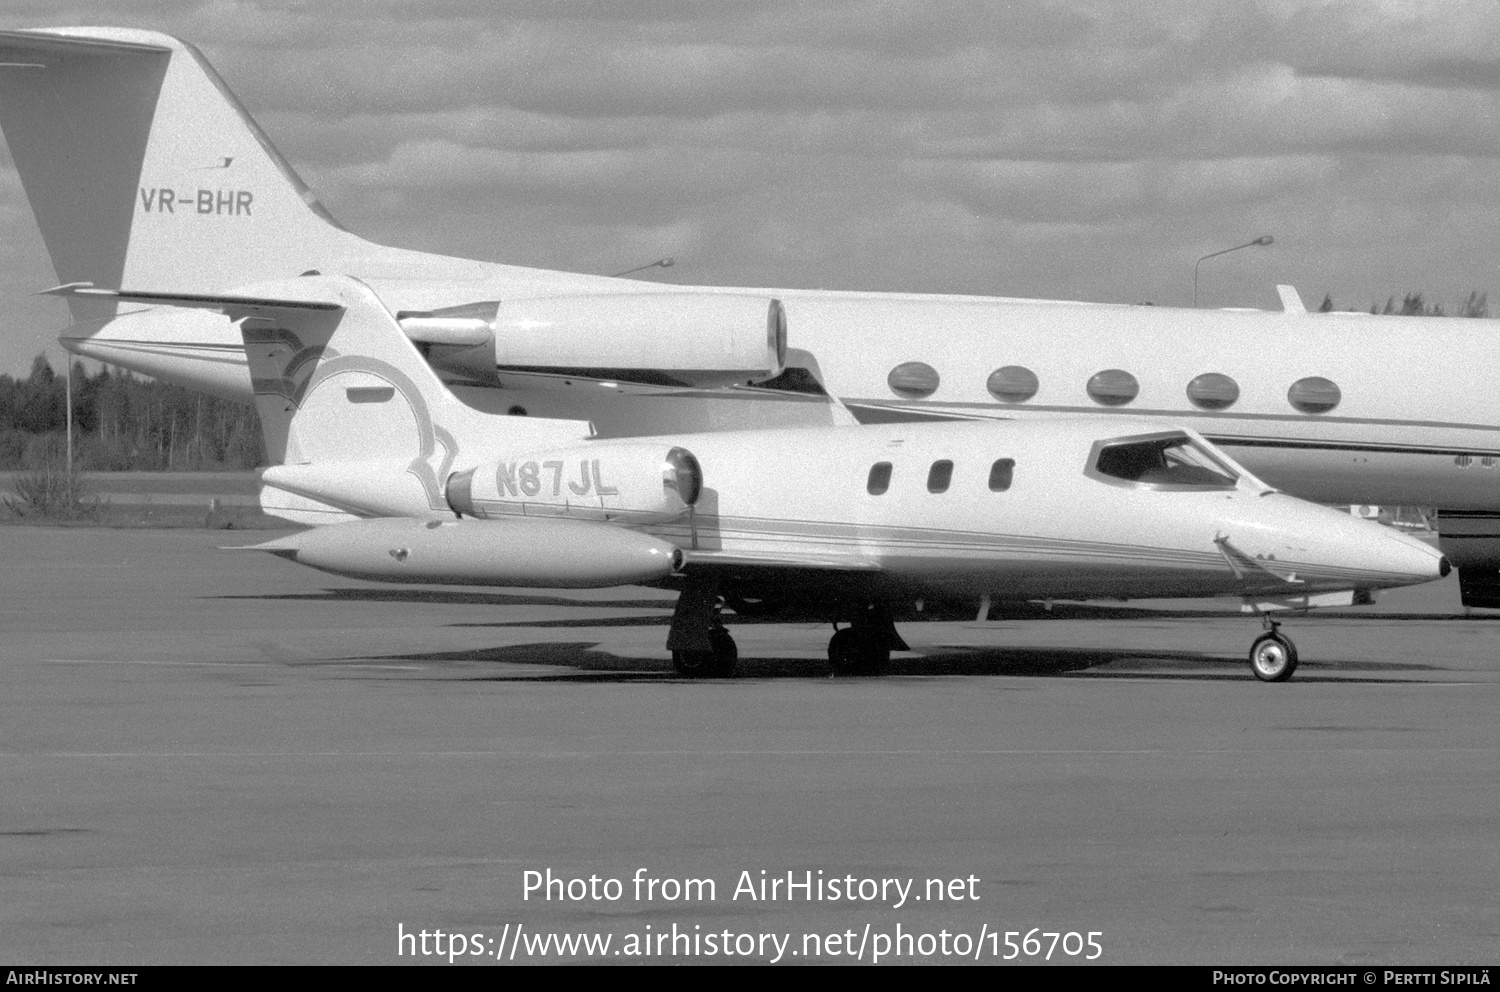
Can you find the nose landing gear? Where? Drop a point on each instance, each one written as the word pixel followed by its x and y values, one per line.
pixel 1273 656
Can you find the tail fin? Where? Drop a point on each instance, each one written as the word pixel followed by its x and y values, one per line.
pixel 355 419
pixel 143 169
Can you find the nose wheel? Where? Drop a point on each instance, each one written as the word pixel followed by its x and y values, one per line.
pixel 1273 656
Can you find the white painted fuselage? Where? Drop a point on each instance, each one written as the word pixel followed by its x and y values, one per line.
pixel 1007 510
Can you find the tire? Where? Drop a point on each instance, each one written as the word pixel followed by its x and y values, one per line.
pixel 857 651
pixel 875 659
pixel 726 654
pixel 1273 657
pixel 843 652
pixel 716 664
pixel 693 664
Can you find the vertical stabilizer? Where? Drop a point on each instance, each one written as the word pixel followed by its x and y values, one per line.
pixel 143 170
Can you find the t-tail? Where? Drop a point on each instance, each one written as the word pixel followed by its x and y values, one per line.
pixel 355 421
pixel 146 173
pixel 144 170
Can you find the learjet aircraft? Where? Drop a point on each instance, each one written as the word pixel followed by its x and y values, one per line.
pixel 405 483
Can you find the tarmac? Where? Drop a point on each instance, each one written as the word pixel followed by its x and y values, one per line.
pixel 219 757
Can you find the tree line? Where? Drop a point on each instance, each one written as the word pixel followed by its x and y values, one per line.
pixel 122 422
pixel 126 422
pixel 1413 305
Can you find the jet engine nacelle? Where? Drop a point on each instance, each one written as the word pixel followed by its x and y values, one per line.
pixel 686 339
pixel 634 483
pixel 517 552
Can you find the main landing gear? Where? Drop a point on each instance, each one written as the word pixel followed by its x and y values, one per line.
pixel 701 647
pixel 864 647
pixel 1273 656
pixel 716 663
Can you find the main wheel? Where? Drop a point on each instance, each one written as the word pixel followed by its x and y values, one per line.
pixel 715 664
pixel 843 652
pixel 856 651
pixel 726 653
pixel 1273 657
pixel 875 657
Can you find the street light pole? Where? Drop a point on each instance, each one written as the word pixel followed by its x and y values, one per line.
pixel 660 263
pixel 68 359
pixel 1264 239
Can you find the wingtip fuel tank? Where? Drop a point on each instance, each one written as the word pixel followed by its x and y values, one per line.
pixel 517 552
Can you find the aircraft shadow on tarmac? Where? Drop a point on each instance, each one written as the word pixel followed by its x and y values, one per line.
pixel 790 614
pixel 588 664
pixel 582 661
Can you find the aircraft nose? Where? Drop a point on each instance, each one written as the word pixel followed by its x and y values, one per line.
pixel 1336 549
pixel 1406 560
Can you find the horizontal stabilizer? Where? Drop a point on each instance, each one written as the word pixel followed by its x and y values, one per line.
pixel 16 43
pixel 373 488
pixel 230 304
pixel 300 509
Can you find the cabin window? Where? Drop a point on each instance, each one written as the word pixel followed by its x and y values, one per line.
pixel 913 379
pixel 1314 394
pixel 880 478
pixel 1113 387
pixel 939 476
pixel 1163 462
pixel 1012 384
pixel 1000 474
pixel 1213 391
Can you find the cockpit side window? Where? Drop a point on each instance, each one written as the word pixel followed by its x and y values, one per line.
pixel 1175 462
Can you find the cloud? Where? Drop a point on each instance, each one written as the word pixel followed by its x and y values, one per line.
pixel 1081 148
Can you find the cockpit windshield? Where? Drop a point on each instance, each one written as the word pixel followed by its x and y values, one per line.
pixel 1173 461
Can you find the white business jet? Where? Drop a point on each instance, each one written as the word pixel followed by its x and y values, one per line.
pixel 407 484
pixel 160 181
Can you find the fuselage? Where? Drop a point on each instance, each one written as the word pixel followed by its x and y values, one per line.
pixel 1007 510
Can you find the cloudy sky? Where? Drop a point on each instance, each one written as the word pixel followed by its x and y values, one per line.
pixel 1080 149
